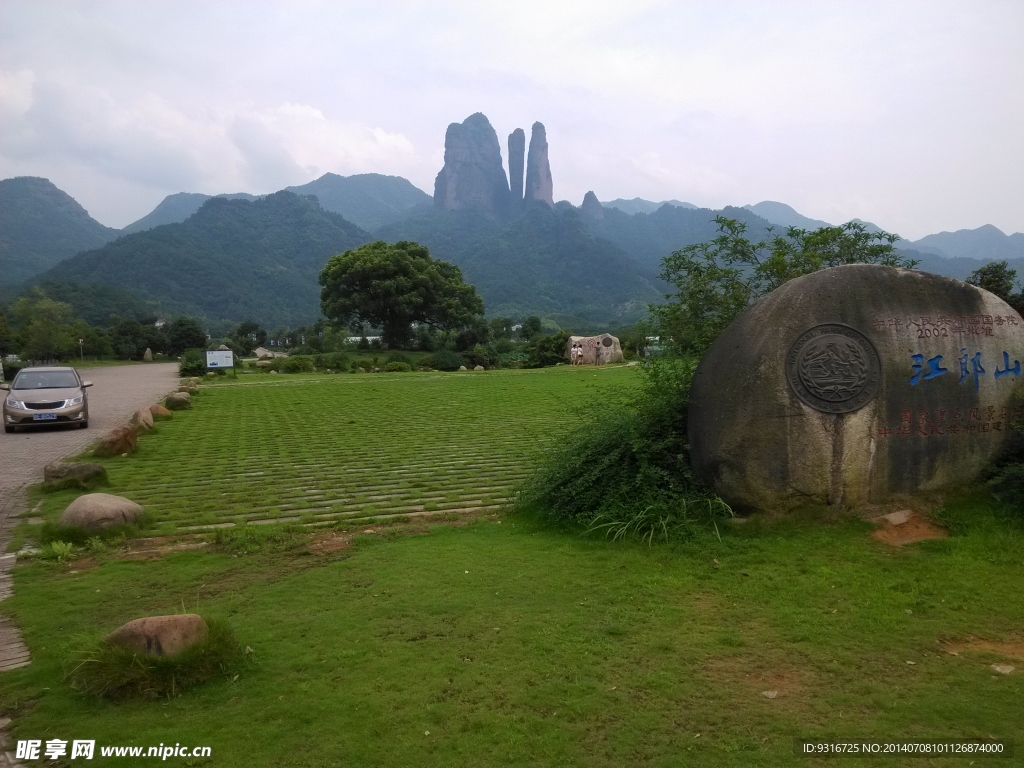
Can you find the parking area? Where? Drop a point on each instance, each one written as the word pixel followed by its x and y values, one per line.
pixel 117 392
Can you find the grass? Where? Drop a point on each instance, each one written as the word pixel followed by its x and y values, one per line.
pixel 113 672
pixel 502 642
pixel 335 448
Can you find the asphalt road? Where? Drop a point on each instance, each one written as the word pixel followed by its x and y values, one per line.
pixel 116 394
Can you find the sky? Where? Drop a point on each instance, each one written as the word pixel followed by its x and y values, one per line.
pixel 906 114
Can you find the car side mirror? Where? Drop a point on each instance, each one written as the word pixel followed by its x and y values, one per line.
pixel 86 384
pixel 5 387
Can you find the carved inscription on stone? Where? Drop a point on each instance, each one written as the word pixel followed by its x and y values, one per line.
pixel 833 368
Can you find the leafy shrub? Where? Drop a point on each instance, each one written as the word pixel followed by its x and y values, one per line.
pixel 52 532
pixel 193 363
pixel 295 364
pixel 446 360
pixel 61 551
pixel 397 367
pixel 625 468
pixel 113 672
pixel 548 350
pixel 398 357
pixel 334 361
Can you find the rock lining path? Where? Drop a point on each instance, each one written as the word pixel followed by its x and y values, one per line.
pixel 117 392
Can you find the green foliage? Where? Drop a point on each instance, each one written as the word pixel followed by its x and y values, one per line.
pixel 333 361
pixel 293 364
pixel 6 336
pixel 398 357
pixel 446 360
pixel 184 333
pixel 397 367
pixel 45 327
pixel 393 286
pixel 663 520
pixel 130 339
pixel 253 539
pixel 193 362
pixel 997 277
pixel 61 551
pixel 531 327
pixel 96 304
pixel 247 336
pixel 715 281
pixel 548 350
pixel 113 672
pixel 624 456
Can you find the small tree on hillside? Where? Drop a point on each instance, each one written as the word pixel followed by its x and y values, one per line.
pixel 996 277
pixel 185 333
pixel 393 286
pixel 717 280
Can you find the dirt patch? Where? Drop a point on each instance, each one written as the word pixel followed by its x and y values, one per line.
pixel 156 547
pixel 1011 649
pixel 329 542
pixel 906 527
pixel 754 680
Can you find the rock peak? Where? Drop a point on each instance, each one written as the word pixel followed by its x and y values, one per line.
pixel 592 208
pixel 538 172
pixel 473 176
pixel 516 158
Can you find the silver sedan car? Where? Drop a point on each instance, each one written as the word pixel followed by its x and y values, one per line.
pixel 44 397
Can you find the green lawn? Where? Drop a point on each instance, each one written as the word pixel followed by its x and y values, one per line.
pixel 316 449
pixel 503 642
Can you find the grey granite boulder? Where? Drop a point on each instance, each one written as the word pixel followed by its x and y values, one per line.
pixel 98 511
pixel 160 635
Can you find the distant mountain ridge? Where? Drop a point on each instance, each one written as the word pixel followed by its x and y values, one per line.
pixel 985 242
pixel 40 225
pixel 368 200
pixel 638 205
pixel 174 209
pixel 231 260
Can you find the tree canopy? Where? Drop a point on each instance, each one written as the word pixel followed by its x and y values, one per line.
pixel 393 286
pixel 717 280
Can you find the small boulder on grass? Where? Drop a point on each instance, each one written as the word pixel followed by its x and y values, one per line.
pixel 178 401
pixel 143 419
pixel 160 635
pixel 98 511
pixel 157 658
pixel 478 368
pixel 160 413
pixel 117 442
pixel 73 474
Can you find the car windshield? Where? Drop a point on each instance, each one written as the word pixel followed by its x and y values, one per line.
pixel 45 380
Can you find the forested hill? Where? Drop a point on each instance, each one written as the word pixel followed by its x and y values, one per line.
pixel 649 237
pixel 234 259
pixel 544 261
pixel 40 225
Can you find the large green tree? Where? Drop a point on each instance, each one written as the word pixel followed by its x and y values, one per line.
pixel 45 327
pixel 995 277
pixel 717 280
pixel 393 286
pixel 185 333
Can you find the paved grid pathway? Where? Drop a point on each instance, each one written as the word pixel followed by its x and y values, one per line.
pixel 116 394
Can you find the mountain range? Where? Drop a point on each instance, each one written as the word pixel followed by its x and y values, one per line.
pixel 241 256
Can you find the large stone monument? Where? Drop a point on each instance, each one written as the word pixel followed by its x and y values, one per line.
pixel 853 384
pixel 601 349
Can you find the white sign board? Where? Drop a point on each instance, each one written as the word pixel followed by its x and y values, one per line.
pixel 220 359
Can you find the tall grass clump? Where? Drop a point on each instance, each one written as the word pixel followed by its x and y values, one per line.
pixel 625 468
pixel 111 671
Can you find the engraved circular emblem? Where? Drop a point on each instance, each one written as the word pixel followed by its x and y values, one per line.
pixel 606 341
pixel 833 368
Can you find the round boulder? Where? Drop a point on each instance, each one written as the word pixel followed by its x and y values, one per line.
pixel 478 368
pixel 79 470
pixel 160 413
pixel 160 635
pixel 852 384
pixel 118 441
pixel 596 349
pixel 143 419
pixel 178 401
pixel 463 368
pixel 97 511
